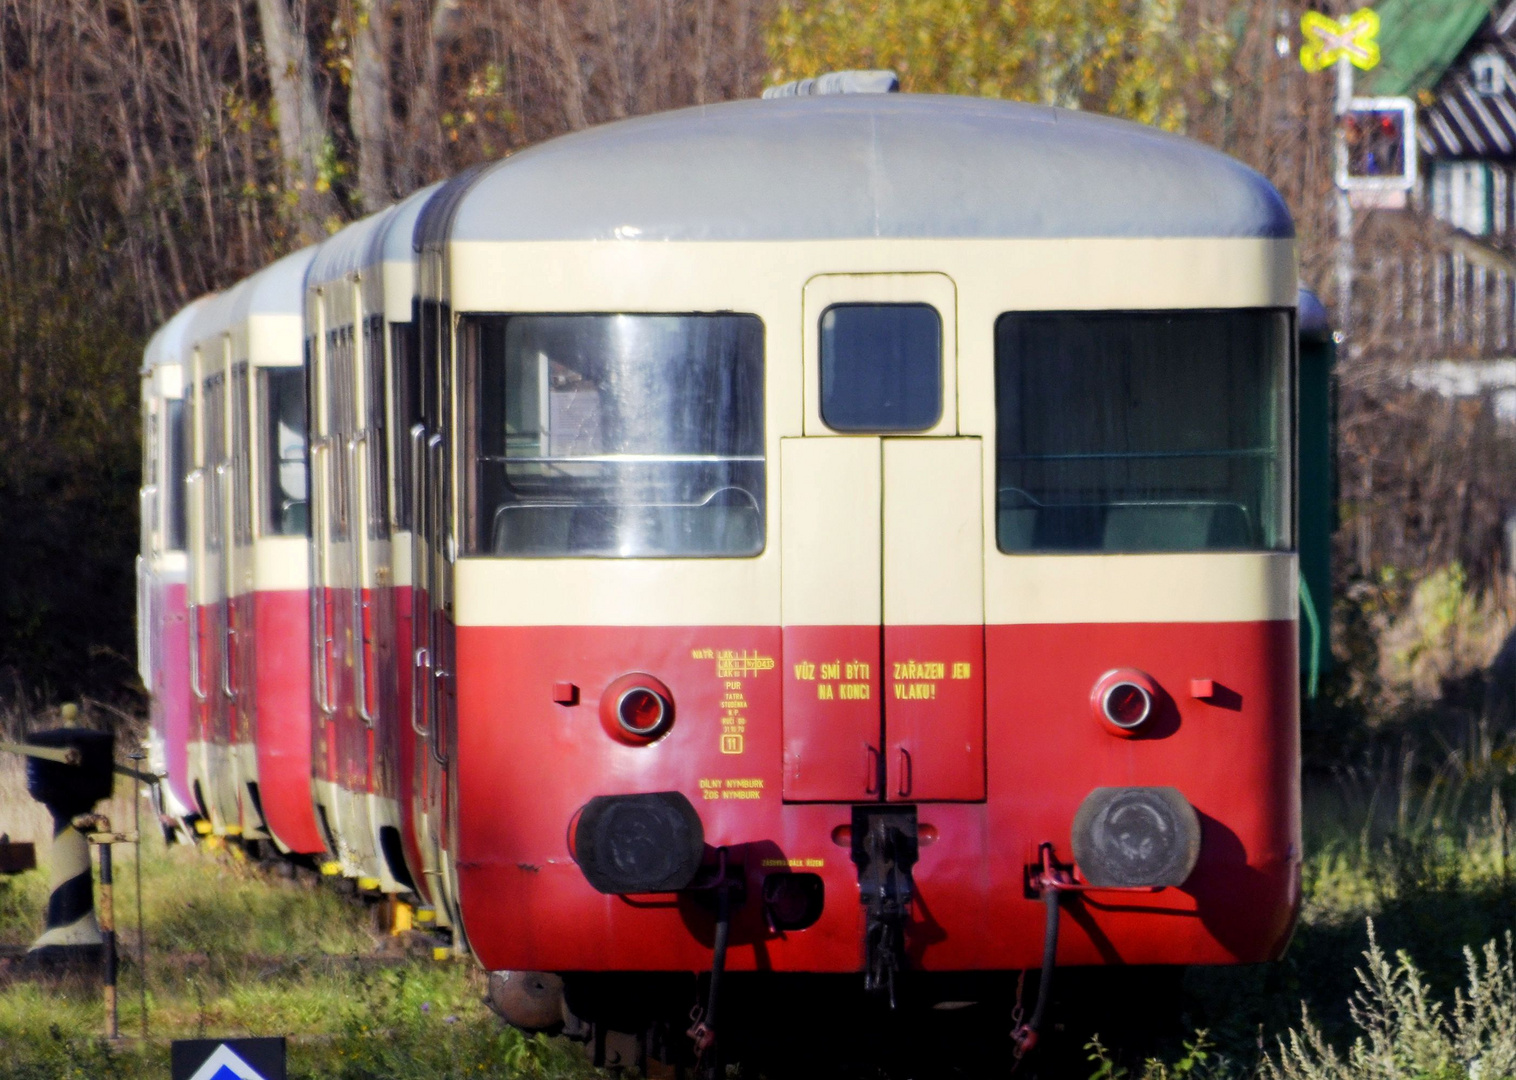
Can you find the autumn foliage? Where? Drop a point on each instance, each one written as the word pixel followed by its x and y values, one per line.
pixel 157 149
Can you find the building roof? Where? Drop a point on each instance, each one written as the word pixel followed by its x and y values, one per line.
pixel 859 166
pixel 1418 41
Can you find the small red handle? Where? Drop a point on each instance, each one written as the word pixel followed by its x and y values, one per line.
pixel 871 777
pixel 906 777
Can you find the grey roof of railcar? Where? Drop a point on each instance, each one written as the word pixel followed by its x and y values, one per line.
pixel 346 250
pixel 169 341
pixel 277 289
pixel 380 237
pixel 393 242
pixel 861 166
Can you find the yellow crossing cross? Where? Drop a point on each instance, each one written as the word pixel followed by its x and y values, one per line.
pixel 1326 40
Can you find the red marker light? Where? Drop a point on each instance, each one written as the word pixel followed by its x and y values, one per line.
pixel 640 711
pixel 1127 705
pixel 1123 701
pixel 636 709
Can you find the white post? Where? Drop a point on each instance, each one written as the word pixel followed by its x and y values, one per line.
pixel 1344 206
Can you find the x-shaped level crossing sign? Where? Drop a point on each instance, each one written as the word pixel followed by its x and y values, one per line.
pixel 1325 40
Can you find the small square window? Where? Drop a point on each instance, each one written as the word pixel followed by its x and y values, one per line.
pixel 881 367
pixel 1489 74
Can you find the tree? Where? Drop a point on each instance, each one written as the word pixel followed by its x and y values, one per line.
pixel 304 141
pixel 1149 60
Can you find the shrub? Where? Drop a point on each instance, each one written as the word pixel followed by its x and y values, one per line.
pixel 1406 1032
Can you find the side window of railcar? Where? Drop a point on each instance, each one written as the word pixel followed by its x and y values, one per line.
pixel 1143 431
pixel 341 423
pixel 631 436
pixel 214 449
pixel 376 424
pixel 242 498
pixel 881 367
pixel 175 470
pixel 405 351
pixel 282 396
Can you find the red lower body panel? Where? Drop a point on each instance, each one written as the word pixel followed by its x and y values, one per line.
pixel 171 691
pixel 282 630
pixel 525 764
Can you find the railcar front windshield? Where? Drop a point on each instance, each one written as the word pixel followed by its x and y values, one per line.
pixel 283 481
pixel 631 436
pixel 1143 431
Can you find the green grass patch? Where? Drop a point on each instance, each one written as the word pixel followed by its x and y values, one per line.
pixel 235 949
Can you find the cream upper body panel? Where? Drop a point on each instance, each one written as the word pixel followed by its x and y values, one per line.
pixel 1066 274
pixel 281 563
pixel 768 279
pixel 740 207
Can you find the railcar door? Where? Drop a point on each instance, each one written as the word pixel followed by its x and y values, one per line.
pixel 881 539
pixel 240 683
pixel 431 568
pixel 326 750
pixel 220 786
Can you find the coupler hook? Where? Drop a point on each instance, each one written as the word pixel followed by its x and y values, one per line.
pixel 703 1032
pixel 1048 885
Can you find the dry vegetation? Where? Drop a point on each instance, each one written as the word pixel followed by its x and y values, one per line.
pixel 155 149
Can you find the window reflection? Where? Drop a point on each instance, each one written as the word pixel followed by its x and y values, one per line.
pixel 619 435
pixel 1142 431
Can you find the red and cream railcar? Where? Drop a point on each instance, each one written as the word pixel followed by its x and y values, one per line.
pixel 248 556
pixel 162 620
pixel 866 517
pixel 363 373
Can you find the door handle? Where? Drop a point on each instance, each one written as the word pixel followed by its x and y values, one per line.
pixel 871 775
pixel 321 637
pixel 906 776
pixel 433 728
pixel 422 661
pixel 229 635
pixel 357 449
pixel 195 500
pixel 361 665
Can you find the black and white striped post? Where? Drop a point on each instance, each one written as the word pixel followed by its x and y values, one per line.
pixel 69 770
pixel 108 937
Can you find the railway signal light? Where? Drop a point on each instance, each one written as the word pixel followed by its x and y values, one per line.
pixel 1378 163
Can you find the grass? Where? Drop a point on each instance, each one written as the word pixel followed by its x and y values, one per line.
pixel 237 950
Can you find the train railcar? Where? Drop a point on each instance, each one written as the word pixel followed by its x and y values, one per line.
pixel 162 566
pixel 856 530
pixel 248 558
pixel 362 372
